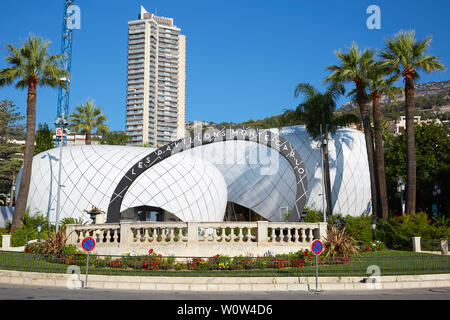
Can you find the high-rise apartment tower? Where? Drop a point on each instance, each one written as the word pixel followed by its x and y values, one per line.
pixel 156 81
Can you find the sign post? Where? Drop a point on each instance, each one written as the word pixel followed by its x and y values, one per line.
pixel 317 248
pixel 88 245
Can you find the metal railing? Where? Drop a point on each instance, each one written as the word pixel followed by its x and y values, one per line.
pixel 431 244
pixel 220 266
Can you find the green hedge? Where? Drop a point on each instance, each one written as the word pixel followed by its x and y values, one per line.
pixel 397 232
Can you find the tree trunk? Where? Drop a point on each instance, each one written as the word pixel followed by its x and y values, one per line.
pixel 88 139
pixel 327 180
pixel 361 101
pixel 24 188
pixel 379 152
pixel 410 145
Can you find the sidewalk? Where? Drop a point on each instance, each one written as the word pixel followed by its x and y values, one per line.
pixel 248 284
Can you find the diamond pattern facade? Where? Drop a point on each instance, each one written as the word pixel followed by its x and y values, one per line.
pixel 196 184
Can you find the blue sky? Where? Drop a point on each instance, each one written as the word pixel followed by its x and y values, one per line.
pixel 244 57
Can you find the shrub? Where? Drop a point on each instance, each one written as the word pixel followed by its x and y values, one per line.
pixel 219 262
pixel 69 220
pixel 54 243
pixel 69 249
pixel 339 243
pixel 155 262
pixel 20 236
pixel 374 246
pixel 313 215
pixel 34 247
pixel 359 228
pixel 397 232
pixel 196 263
pixel 442 228
pixel 337 220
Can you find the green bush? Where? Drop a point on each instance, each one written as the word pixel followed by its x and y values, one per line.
pixel 397 232
pixel 359 228
pixel 20 236
pixel 69 220
pixel 313 215
pixel 36 247
pixel 69 249
pixel 442 226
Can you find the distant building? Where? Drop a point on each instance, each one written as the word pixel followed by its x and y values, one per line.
pixel 77 139
pixel 399 125
pixel 155 111
pixel 356 126
pixel 193 125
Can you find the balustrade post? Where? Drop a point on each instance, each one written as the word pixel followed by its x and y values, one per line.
pixel 321 232
pixel 262 233
pixel 6 241
pixel 444 246
pixel 126 234
pixel 71 235
pixel 192 236
pixel 416 244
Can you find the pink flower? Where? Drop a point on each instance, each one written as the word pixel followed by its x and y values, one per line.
pixel 160 255
pixel 150 251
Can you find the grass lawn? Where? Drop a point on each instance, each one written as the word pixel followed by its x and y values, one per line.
pixel 390 262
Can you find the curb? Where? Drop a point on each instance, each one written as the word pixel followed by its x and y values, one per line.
pixel 76 281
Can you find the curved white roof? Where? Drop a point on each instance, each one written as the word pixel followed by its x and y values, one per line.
pixel 196 184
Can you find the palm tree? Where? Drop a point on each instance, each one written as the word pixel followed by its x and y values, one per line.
pixel 317 112
pixel 379 85
pixel 405 56
pixel 119 138
pixel 352 69
pixel 87 118
pixel 31 66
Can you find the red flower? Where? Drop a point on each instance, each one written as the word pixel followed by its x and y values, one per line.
pixel 150 251
pixel 160 255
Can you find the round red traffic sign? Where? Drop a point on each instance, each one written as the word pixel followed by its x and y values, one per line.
pixel 317 247
pixel 88 244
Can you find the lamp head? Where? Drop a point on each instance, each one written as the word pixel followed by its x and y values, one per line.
pixel 437 189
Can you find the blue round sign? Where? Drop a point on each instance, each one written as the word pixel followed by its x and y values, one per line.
pixel 317 247
pixel 88 244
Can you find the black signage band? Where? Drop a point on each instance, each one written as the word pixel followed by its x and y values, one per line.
pixel 265 137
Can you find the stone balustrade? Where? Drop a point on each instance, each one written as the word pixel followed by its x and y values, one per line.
pixel 198 238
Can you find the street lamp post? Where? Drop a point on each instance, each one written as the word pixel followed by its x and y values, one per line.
pixel 374 225
pixel 401 190
pixel 62 123
pixel 324 141
pixel 436 194
pixel 39 228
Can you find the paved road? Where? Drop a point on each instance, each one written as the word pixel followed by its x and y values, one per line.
pixel 17 292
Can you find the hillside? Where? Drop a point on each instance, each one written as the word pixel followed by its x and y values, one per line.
pixel 428 95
